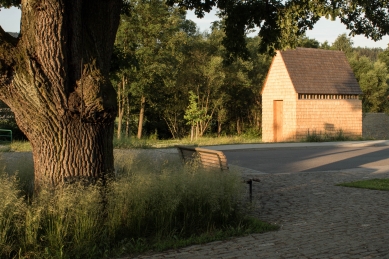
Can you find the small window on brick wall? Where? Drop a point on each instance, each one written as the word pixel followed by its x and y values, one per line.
pixel 328 96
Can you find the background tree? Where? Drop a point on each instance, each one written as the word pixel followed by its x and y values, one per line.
pixel 325 45
pixel 150 34
pixel 306 42
pixel 373 79
pixel 195 115
pixel 343 43
pixel 384 56
pixel 123 62
pixel 281 23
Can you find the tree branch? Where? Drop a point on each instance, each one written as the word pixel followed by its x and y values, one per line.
pixel 7 62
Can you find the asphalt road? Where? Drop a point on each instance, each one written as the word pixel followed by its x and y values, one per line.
pixel 267 158
pixel 309 159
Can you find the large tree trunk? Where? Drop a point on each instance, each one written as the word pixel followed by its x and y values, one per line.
pixel 73 151
pixel 55 80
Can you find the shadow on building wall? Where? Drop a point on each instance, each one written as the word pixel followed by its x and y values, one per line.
pixel 329 132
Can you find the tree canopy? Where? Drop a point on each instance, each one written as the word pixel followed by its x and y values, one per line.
pixel 281 23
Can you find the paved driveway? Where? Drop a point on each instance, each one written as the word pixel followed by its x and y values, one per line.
pixel 317 219
pixel 309 159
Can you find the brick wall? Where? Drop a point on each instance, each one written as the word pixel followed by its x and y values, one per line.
pixel 329 116
pixel 278 86
pixel 375 126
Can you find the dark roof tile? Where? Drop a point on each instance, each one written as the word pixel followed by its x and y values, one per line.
pixel 317 71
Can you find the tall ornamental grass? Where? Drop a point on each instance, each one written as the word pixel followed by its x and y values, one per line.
pixel 145 204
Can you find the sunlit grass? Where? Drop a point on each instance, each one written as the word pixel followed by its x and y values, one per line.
pixel 201 141
pixel 133 142
pixel 20 146
pixel 373 184
pixel 154 203
pixel 15 146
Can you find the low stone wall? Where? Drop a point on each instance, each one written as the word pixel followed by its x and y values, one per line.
pixel 375 125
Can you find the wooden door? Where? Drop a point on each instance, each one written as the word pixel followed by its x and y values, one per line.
pixel 278 117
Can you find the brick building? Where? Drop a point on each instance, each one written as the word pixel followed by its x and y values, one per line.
pixel 311 90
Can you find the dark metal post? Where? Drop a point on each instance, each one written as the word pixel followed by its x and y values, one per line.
pixel 250 182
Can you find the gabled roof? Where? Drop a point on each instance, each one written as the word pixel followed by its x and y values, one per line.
pixel 317 71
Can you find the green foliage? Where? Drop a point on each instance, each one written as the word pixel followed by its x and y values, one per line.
pixel 325 45
pixel 373 80
pixel 372 53
pixel 9 3
pixel 149 46
pixel 373 184
pixel 343 43
pixel 384 57
pixel 150 205
pixel 190 62
pixel 281 23
pixel 306 42
pixel 252 133
pixel 193 113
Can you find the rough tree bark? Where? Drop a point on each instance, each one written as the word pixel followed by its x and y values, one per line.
pixel 54 77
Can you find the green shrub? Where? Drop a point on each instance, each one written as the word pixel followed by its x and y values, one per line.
pixel 252 133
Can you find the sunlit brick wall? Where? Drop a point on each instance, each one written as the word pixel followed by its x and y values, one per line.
pixel 278 86
pixel 323 116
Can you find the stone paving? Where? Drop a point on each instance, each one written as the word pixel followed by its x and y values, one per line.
pixel 317 220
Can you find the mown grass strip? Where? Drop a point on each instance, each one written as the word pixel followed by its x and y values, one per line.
pixel 372 184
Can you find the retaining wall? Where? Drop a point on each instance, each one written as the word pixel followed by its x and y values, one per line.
pixel 375 125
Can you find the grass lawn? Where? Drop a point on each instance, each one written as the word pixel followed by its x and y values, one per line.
pixel 373 184
pixel 129 143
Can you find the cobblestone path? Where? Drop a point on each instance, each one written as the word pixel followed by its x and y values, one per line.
pixel 317 220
